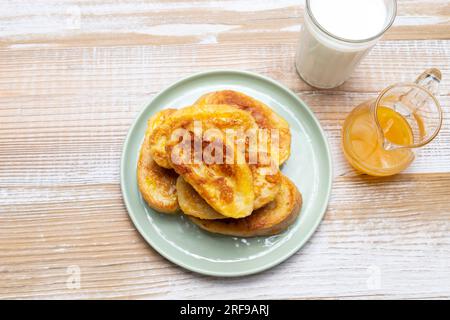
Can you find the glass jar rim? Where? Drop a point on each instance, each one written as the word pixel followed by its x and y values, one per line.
pixel 330 34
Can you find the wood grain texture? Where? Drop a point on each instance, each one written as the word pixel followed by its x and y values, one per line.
pixel 73 76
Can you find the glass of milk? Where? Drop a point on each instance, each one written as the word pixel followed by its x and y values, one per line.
pixel 337 34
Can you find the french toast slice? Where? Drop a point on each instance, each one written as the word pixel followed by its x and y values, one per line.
pixel 226 186
pixel 220 117
pixel 156 184
pixel 192 204
pixel 269 220
pixel 264 116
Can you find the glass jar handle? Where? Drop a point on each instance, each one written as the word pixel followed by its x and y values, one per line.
pixel 430 80
pixel 418 97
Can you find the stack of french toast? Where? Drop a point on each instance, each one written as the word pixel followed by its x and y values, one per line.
pixel 189 164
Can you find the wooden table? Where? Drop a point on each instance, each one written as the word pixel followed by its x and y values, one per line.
pixel 74 75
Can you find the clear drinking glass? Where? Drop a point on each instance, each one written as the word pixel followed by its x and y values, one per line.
pixel 325 60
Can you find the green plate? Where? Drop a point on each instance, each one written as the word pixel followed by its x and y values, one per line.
pixel 309 166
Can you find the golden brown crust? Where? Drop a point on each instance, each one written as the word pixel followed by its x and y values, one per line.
pixel 264 116
pixel 156 184
pixel 269 220
pixel 192 204
pixel 157 119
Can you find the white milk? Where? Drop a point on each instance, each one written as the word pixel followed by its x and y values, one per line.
pixel 353 26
